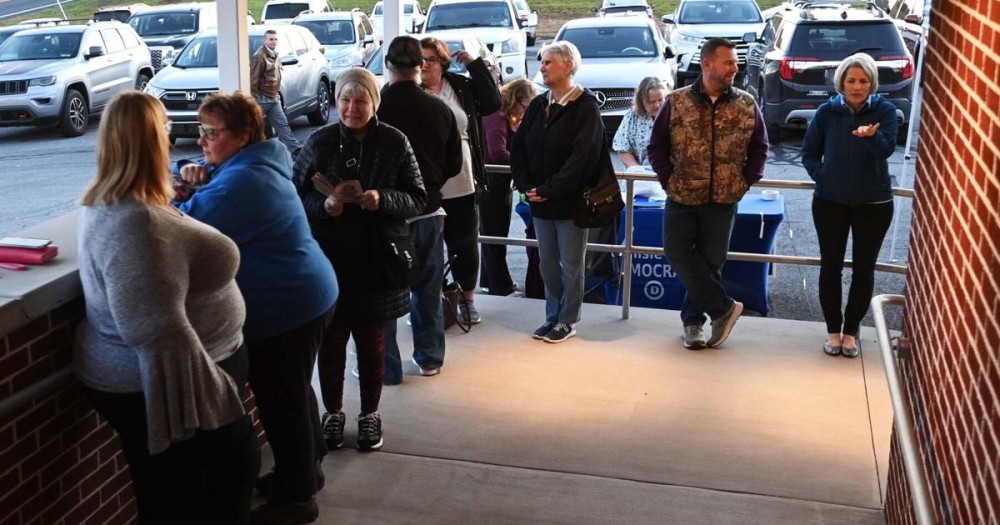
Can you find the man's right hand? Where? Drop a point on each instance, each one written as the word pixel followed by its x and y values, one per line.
pixel 194 174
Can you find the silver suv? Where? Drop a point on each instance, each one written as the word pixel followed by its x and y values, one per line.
pixel 696 21
pixel 63 74
pixel 346 35
pixel 305 80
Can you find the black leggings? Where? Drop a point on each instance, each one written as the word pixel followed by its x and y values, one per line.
pixel 495 206
pixel 461 236
pixel 867 224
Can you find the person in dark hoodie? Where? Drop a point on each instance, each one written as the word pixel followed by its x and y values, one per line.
pixel 430 126
pixel 288 285
pixel 470 99
pixel 846 151
pixel 557 148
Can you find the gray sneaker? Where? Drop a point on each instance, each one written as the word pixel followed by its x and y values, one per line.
pixel 468 312
pixel 370 432
pixel 694 337
pixel 722 326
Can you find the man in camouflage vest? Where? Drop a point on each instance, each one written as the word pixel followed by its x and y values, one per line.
pixel 708 145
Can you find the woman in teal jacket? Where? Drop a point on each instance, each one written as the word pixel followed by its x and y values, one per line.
pixel 846 151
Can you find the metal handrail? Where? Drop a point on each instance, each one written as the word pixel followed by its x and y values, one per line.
pixel 912 465
pixel 35 391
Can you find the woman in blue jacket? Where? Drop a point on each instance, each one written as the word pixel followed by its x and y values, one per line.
pixel 287 283
pixel 846 151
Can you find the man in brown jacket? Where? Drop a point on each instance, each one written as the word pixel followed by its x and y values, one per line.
pixel 708 146
pixel 265 80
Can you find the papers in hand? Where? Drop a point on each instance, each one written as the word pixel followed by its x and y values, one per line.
pixel 344 191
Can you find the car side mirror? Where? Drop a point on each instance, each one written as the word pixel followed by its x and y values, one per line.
pixel 369 39
pixel 533 18
pixel 667 19
pixel 750 37
pixel 289 60
pixel 669 52
pixel 913 19
pixel 94 52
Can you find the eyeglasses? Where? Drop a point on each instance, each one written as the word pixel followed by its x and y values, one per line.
pixel 209 133
pixel 524 107
pixel 167 126
pixel 432 60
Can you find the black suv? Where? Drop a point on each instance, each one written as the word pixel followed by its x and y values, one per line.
pixel 790 68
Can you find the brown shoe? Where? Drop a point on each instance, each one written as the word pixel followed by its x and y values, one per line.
pixel 290 513
pixel 722 326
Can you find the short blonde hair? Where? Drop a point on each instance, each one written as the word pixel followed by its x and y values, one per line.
pixel 512 92
pixel 566 51
pixel 133 153
pixel 859 60
pixel 642 93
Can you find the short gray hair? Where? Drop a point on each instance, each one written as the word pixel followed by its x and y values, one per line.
pixel 642 93
pixel 567 52
pixel 859 60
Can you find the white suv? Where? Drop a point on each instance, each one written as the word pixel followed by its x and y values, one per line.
pixel 495 22
pixel 696 21
pixel 63 74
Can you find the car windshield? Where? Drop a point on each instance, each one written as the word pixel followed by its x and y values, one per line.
pixel 637 9
pixel 162 24
pixel 204 52
pixel 52 46
pixel 284 10
pixel 609 42
pixel 846 39
pixel 330 32
pixel 378 10
pixel 729 12
pixel 112 16
pixel 5 35
pixel 407 9
pixel 458 16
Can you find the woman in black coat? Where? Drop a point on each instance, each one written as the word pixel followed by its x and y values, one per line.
pixel 557 148
pixel 354 230
pixel 470 99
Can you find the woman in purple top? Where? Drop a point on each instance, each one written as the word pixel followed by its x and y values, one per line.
pixel 496 201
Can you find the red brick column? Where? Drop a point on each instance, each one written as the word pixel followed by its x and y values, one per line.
pixel 952 310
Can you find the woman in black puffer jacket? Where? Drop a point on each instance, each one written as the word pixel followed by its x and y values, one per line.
pixel 354 233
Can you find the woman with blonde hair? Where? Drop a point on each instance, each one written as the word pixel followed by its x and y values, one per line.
pixel 632 137
pixel 160 351
pixel 496 201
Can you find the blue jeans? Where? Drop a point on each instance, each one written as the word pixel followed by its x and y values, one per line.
pixel 562 246
pixel 426 311
pixel 275 115
pixel 696 241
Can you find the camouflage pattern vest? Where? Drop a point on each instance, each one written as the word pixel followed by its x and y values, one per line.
pixel 708 146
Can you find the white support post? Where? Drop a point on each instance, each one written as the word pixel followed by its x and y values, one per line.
pixel 234 42
pixel 392 20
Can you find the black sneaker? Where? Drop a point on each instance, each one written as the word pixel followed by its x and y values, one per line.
pixel 370 432
pixel 559 333
pixel 333 430
pixel 290 513
pixel 542 331
pixel 722 326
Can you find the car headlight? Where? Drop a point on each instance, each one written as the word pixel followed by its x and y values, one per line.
pixel 688 39
pixel 42 81
pixel 511 46
pixel 343 61
pixel 154 91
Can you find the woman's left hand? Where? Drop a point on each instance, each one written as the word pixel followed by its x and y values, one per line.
pixel 463 57
pixel 866 131
pixel 370 200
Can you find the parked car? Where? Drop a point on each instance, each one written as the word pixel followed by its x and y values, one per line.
pixel 63 74
pixel 194 74
pixel 695 21
pixel 284 11
pixel 912 19
pixel 495 22
pixel 5 32
pixel 471 44
pixel 624 8
pixel 118 13
pixel 791 66
pixel 346 35
pixel 529 20
pixel 166 29
pixel 413 18
pixel 617 53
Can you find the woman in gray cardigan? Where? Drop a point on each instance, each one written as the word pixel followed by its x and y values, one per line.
pixel 161 352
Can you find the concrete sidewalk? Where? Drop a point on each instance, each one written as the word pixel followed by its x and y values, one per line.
pixel 621 424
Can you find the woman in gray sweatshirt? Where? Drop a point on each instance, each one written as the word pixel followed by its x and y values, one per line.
pixel 161 350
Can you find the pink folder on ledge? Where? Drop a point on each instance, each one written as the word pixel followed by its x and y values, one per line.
pixel 28 255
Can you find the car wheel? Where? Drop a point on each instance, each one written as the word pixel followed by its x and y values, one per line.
pixel 322 113
pixel 141 81
pixel 75 115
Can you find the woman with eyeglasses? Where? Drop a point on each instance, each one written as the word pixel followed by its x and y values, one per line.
pixel 287 283
pixel 161 351
pixel 497 199
pixel 470 98
pixel 632 137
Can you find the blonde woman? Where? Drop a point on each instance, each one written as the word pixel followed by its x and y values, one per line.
pixel 161 350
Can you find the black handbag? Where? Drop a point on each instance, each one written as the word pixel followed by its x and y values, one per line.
pixel 597 204
pixel 394 259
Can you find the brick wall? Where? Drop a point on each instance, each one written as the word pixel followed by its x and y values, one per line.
pixel 60 463
pixel 953 288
